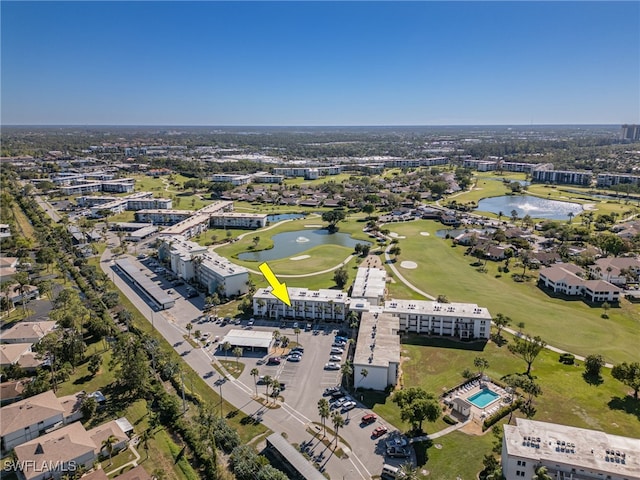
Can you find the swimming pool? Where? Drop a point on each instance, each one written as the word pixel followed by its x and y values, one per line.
pixel 483 398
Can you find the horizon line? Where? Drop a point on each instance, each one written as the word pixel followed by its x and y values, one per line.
pixel 309 126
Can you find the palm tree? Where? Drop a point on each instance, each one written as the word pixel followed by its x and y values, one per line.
pixel 189 328
pixel 237 352
pixel 408 471
pixel 347 370
pixel 338 423
pixel 364 372
pixel 324 411
pixel 108 444
pixel 541 473
pixel 275 387
pixel 255 373
pixel 267 382
pixel 226 346
pixel 22 279
pixel 297 332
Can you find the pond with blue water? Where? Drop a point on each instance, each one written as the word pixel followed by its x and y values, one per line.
pixel 535 207
pixel 289 244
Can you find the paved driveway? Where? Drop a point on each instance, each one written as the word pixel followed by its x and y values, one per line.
pixel 305 380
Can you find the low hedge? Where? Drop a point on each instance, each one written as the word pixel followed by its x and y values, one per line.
pixel 503 412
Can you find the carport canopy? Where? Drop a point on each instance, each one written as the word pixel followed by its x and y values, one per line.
pixel 250 339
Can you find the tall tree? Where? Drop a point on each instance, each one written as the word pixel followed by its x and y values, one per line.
pixel 417 405
pixel 255 373
pixel 341 277
pixel 501 321
pixel 629 374
pixel 237 352
pixel 527 349
pixel 324 411
pixel 338 423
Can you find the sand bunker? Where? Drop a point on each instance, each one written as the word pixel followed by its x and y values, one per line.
pixel 409 265
pixel 425 234
pixel 395 235
pixel 300 257
pixel 312 226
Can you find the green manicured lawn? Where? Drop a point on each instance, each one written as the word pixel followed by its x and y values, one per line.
pixel 436 365
pixel 571 325
pixel 321 257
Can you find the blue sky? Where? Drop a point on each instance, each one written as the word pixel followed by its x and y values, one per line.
pixel 320 63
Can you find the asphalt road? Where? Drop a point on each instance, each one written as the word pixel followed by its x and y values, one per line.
pixel 305 380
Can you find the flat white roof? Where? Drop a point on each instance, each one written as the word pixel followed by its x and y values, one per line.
pixel 249 338
pixel 304 294
pixel 424 307
pixel 378 342
pixel 369 283
pixel 587 448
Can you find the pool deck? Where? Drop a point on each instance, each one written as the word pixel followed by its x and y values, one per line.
pixel 475 386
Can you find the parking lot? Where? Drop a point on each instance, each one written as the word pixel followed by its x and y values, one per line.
pixel 305 381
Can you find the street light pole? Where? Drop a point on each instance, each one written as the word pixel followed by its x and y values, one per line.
pixel 220 382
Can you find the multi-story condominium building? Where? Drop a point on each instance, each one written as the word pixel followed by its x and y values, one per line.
pixel 233 179
pixel 569 279
pixel 239 220
pixel 135 201
pixel 480 165
pixel 370 284
pixel 93 200
pixel 563 177
pixel 567 453
pixel 630 132
pixel 606 180
pixel 462 320
pixel 377 351
pixel 313 305
pixel 309 173
pixel 125 185
pixel 189 261
pixel 162 217
pixel 264 177
pixel 81 188
pixel 180 253
pixel 220 275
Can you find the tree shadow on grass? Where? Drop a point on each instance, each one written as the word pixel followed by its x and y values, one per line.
pixel 422 451
pixel 436 341
pixel 627 404
pixel 499 340
pixel 593 379
pixel 81 380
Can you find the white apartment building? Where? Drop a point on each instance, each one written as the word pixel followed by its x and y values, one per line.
pixel 190 260
pixel 610 179
pixel 180 252
pixel 162 217
pixel 563 177
pixel 264 177
pixel 233 179
pixel 568 453
pixel 370 284
pixel 239 220
pixel 220 275
pixel 462 320
pixel 377 351
pixel 569 279
pixel 313 305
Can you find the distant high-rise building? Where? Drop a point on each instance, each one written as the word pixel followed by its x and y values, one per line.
pixel 630 132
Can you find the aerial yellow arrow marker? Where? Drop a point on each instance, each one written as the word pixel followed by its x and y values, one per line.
pixel 279 290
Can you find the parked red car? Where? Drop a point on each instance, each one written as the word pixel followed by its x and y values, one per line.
pixel 379 431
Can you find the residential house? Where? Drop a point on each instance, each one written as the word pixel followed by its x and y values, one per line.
pixel 102 432
pixel 27 332
pixel 56 453
pixel 10 353
pixel 11 391
pixel 568 279
pixel 616 270
pixel 29 418
pixel 136 473
pixel 8 268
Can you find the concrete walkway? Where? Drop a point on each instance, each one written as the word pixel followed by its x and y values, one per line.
pixel 133 463
pixel 441 433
